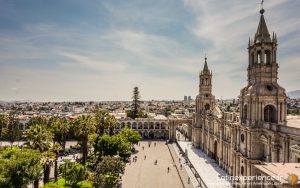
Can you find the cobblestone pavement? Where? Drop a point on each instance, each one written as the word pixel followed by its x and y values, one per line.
pixel 145 174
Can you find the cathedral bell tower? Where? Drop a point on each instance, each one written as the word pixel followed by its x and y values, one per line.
pixel 263 99
pixel 205 101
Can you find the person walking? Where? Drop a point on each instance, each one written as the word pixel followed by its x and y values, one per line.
pixel 145 157
pixel 168 169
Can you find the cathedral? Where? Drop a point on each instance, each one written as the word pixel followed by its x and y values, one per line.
pixel 258 139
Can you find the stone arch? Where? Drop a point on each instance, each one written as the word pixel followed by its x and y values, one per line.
pixel 207 106
pixel 128 125
pixel 157 125
pixel 258 57
pixel 140 125
pixel 151 125
pixel 270 114
pixel 146 125
pixel 268 57
pixel 134 126
pixel 163 125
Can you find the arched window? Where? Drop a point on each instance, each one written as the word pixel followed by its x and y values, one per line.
pixel 259 57
pixel 242 137
pixel 207 107
pixel 268 57
pixel 270 114
pixel 242 170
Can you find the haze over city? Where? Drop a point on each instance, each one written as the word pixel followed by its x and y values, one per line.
pixel 99 50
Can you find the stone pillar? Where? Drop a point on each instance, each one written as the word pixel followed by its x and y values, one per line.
pixel 269 159
pixel 238 139
pixel 249 148
pixel 263 56
pixel 246 141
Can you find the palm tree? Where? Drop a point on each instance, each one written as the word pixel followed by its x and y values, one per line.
pixel 111 122
pixel 100 121
pixel 55 149
pixel 84 125
pixel 60 128
pixel 40 120
pixel 39 137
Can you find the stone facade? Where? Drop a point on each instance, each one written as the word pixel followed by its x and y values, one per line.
pixel 259 132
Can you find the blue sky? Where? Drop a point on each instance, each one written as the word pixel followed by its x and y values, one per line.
pixel 66 50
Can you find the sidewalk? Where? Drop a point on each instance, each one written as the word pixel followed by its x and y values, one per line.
pixel 184 175
pixel 206 167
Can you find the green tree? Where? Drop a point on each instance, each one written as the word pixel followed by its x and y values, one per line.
pixel 3 124
pixel 19 167
pixel 111 124
pixel 37 120
pixel 112 145
pixel 40 138
pixel 103 121
pixel 132 136
pixel 108 171
pixel 135 102
pixel 100 121
pixel 84 126
pixel 55 150
pixel 73 172
pixel 60 128
pixel 53 185
pixel 11 131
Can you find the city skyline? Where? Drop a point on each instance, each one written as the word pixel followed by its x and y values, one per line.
pixel 83 51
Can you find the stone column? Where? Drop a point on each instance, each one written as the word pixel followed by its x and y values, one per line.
pixel 249 148
pixel 238 139
pixel 246 141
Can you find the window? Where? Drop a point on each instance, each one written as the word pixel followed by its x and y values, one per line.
pixel 242 137
pixel 268 57
pixel 207 107
pixel 259 56
pixel 270 114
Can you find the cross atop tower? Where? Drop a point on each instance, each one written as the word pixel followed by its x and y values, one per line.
pixel 262 10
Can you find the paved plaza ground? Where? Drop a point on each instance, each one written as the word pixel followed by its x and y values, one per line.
pixel 206 167
pixel 144 174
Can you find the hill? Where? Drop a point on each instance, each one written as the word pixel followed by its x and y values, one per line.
pixel 294 94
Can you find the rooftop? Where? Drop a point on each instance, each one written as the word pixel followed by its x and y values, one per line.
pixel 283 170
pixel 293 121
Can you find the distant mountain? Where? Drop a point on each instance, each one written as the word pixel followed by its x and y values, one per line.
pixel 294 94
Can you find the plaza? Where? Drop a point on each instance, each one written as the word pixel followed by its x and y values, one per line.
pixel 145 174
